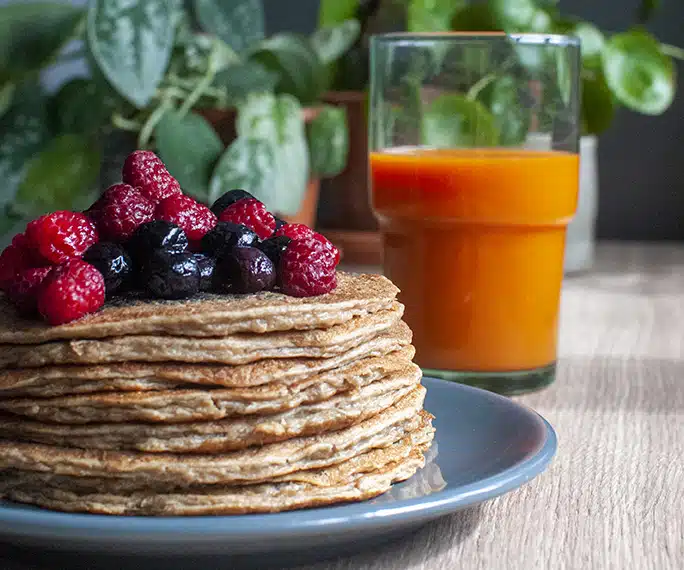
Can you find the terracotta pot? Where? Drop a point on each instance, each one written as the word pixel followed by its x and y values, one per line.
pixel 344 198
pixel 308 209
pixel 224 123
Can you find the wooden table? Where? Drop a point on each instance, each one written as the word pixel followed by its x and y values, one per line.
pixel 614 495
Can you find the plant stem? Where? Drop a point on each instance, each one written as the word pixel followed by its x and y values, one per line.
pixel 203 84
pixel 152 121
pixel 474 91
pixel 125 124
pixel 68 57
pixel 673 51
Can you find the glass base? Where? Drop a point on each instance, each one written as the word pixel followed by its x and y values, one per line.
pixel 507 383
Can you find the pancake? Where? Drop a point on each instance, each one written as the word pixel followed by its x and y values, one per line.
pixel 361 477
pixel 252 465
pixel 241 348
pixel 186 405
pixel 335 413
pixel 54 381
pixel 210 315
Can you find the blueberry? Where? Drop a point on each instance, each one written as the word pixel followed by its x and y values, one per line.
pixel 113 262
pixel 229 198
pixel 171 275
pixel 226 235
pixel 206 266
pixel 279 223
pixel 244 270
pixel 156 235
pixel 274 248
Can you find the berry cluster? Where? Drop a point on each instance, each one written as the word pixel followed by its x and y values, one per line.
pixel 144 234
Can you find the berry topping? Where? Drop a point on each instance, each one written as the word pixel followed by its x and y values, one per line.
pixel 245 270
pixel 295 231
pixel 61 236
pixel 23 289
pixel 300 231
pixel 307 269
pixel 193 218
pixel 206 265
pixel 15 258
pixel 228 199
pixel 113 262
pixel 154 235
pixel 274 248
pixel 251 213
pixel 145 171
pixel 226 235
pixel 71 291
pixel 120 211
pixel 169 275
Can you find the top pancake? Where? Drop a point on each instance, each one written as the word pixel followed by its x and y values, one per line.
pixel 210 315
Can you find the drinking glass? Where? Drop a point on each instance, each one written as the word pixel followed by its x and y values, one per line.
pixel 474 173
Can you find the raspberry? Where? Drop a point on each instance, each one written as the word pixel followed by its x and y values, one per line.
pixel 15 258
pixel 61 236
pixel 120 211
pixel 71 291
pixel 23 289
pixel 294 231
pixel 251 213
pixel 300 231
pixel 193 218
pixel 145 171
pixel 306 269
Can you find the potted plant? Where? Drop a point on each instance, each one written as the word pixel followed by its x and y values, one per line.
pixel 224 105
pixel 630 69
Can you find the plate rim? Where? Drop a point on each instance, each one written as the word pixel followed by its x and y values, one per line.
pixel 16 519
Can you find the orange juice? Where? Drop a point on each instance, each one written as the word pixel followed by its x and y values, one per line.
pixel 475 239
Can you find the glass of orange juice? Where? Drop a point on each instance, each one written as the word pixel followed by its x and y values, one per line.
pixel 474 177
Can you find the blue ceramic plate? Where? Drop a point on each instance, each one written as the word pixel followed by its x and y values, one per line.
pixel 485 445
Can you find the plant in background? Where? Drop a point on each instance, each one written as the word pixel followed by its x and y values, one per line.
pixel 155 68
pixel 631 69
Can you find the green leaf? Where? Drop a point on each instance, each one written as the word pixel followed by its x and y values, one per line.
pixel 279 121
pixel 239 23
pixel 647 9
pixel 474 17
pixel 511 118
pixel 431 15
pixel 640 76
pixel 591 37
pixel 189 147
pixel 61 177
pixel 598 107
pixel 31 34
pixel 80 107
pixel 6 97
pixel 247 163
pixel 131 41
pixel 520 16
pixel 302 74
pixel 242 79
pixel 455 121
pixel 331 42
pixel 328 139
pixel 23 132
pixel 334 12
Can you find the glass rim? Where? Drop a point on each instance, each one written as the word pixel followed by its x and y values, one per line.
pixel 534 39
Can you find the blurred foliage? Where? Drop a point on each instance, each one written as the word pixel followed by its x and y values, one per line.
pixel 631 68
pixel 156 69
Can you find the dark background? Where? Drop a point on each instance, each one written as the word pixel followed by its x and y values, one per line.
pixel 641 158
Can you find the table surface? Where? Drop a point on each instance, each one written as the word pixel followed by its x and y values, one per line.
pixel 613 496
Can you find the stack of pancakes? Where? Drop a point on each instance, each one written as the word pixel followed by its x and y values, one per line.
pixel 215 405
